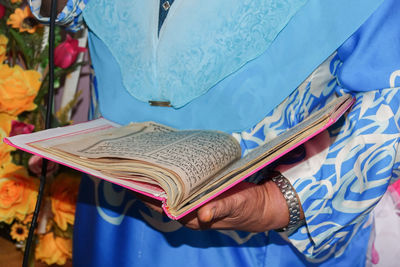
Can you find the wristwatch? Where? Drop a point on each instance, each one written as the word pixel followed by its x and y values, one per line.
pixel 292 201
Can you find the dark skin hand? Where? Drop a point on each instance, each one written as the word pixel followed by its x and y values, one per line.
pixel 247 207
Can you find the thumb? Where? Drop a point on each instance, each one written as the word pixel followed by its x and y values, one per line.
pixel 213 211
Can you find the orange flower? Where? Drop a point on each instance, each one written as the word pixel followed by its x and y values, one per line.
pixel 5 123
pixel 19 232
pixel 64 193
pixel 3 47
pixel 53 249
pixel 16 1
pixel 18 89
pixel 5 128
pixel 23 20
pixel 18 194
pixel 28 219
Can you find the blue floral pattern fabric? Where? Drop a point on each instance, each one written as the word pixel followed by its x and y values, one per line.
pixel 70 16
pixel 347 168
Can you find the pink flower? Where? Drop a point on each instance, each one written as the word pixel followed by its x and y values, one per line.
pixel 2 11
pixel 396 186
pixel 18 127
pixel 65 54
pixel 394 189
pixel 35 166
pixel 375 255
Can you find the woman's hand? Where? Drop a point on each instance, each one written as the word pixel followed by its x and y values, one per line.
pixel 247 207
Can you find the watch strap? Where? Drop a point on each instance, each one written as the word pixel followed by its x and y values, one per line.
pixel 292 201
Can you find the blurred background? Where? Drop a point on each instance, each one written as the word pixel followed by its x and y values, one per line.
pixel 23 94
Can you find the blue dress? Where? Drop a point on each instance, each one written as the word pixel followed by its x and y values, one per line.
pixel 346 169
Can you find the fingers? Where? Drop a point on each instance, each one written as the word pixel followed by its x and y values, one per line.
pixel 219 209
pixel 208 216
pixel 228 211
pixel 246 207
pixel 207 213
pixel 150 202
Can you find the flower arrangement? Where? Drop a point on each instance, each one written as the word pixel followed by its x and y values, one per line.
pixel 23 87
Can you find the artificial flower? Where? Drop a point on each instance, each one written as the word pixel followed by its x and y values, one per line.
pixel 18 89
pixel 35 166
pixel 2 11
pixel 5 124
pixel 64 194
pixel 18 194
pixel 5 150
pixel 5 157
pixel 22 59
pixel 19 232
pixel 65 54
pixel 3 45
pixel 28 219
pixel 53 249
pixel 394 190
pixel 23 20
pixel 19 127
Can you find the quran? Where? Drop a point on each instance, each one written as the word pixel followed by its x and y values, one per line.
pixel 182 168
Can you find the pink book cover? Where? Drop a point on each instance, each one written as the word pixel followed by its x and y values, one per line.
pixel 23 142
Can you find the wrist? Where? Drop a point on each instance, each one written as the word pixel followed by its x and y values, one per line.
pixel 289 215
pixel 278 211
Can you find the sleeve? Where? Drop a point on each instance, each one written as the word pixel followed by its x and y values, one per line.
pixel 70 16
pixel 344 175
pixel 347 168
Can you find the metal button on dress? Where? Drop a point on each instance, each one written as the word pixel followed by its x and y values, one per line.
pixel 166 5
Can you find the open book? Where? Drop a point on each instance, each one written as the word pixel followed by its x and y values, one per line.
pixel 183 169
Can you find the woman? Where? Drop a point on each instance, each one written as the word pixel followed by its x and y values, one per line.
pixel 227 65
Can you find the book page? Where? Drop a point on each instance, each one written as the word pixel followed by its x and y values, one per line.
pixel 270 150
pixel 193 155
pixel 157 160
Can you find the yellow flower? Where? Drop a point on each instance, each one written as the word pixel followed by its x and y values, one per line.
pixel 64 193
pixel 3 47
pixel 28 219
pixel 18 194
pixel 19 232
pixel 23 20
pixel 5 128
pixel 53 249
pixel 5 123
pixel 18 89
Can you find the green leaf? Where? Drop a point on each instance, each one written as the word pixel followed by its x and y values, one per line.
pixel 26 51
pixel 63 112
pixel 5 3
pixel 65 234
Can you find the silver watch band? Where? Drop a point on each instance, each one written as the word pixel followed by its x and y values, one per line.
pixel 292 201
